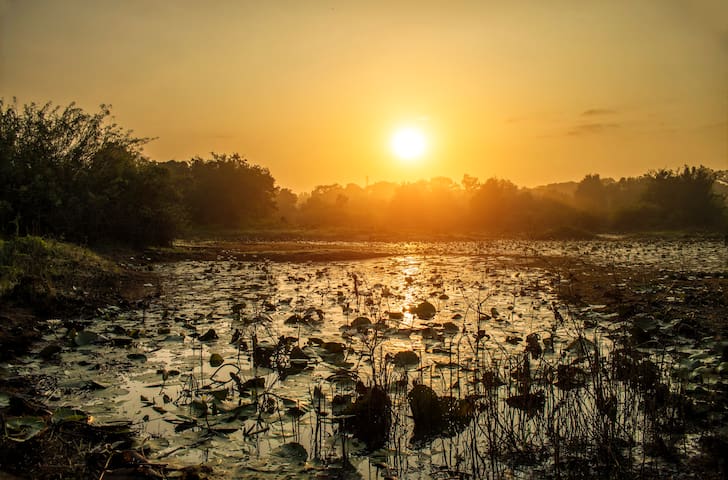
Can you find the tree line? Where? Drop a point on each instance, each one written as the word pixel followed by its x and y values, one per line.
pixel 682 199
pixel 78 176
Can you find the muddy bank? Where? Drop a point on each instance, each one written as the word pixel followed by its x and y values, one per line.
pixel 698 298
pixel 279 251
pixel 25 310
pixel 46 280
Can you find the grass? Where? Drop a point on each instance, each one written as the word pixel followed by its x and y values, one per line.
pixel 47 266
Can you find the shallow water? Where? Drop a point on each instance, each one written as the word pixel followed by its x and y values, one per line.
pixel 164 381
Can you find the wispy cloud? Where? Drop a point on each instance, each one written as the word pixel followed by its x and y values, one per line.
pixel 597 111
pixel 592 128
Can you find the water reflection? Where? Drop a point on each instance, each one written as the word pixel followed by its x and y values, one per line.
pixel 486 305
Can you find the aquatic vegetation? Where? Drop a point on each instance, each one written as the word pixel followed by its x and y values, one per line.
pixel 480 363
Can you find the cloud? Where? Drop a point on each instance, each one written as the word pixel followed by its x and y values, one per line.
pixel 712 126
pixel 592 128
pixel 597 111
pixel 723 40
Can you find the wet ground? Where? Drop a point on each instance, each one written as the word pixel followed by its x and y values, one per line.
pixel 254 367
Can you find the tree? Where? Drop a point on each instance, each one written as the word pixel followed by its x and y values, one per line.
pixel 286 202
pixel 71 174
pixel 685 199
pixel 592 194
pixel 227 191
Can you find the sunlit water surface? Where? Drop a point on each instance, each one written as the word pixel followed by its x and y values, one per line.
pixel 163 378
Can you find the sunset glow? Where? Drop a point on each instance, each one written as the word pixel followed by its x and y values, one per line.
pixel 527 91
pixel 340 227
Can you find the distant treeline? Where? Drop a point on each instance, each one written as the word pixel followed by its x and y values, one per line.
pixel 80 177
pixel 684 199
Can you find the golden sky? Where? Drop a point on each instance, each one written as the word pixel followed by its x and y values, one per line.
pixel 531 91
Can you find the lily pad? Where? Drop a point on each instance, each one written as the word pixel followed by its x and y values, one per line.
pixel 216 360
pixel 208 335
pixel 361 322
pixel 49 351
pixel 85 337
pixel 21 429
pixel 292 451
pixel 65 414
pixel 406 358
pixel 137 357
pixel 425 310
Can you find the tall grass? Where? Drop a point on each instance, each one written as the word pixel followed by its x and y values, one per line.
pixel 45 263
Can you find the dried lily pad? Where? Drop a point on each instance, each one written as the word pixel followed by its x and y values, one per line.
pixel 291 452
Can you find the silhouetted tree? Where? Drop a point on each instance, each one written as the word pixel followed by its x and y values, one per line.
pixel 592 194
pixel 684 198
pixel 286 202
pixel 63 172
pixel 227 191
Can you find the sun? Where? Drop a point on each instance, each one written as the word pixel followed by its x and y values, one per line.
pixel 409 143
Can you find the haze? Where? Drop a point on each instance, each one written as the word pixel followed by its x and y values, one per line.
pixel 535 92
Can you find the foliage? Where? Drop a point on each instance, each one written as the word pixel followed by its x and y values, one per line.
pixel 657 201
pixel 75 175
pixel 684 198
pixel 224 191
pixel 79 176
pixel 45 262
